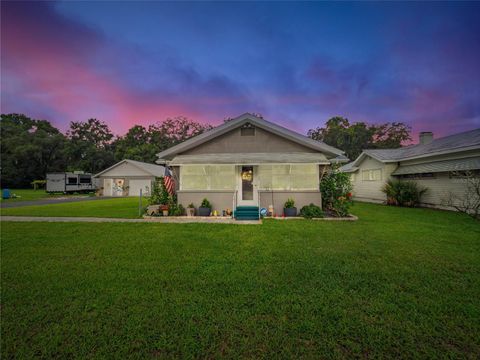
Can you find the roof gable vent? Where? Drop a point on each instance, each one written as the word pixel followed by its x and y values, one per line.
pixel 247 130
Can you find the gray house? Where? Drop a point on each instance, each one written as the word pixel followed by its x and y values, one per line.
pixel 439 165
pixel 249 161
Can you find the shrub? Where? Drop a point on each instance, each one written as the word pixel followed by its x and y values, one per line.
pixel 176 210
pixel 290 203
pixel 191 206
pixel 159 194
pixel 206 204
pixel 403 193
pixel 311 211
pixel 336 189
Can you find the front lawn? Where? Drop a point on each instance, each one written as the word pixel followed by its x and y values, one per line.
pixel 124 207
pixel 398 283
pixel 30 194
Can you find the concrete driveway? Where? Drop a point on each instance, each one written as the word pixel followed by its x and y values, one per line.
pixel 13 204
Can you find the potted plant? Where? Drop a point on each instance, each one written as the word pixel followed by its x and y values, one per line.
pixel 289 208
pixel 205 208
pixel 191 210
pixel 164 209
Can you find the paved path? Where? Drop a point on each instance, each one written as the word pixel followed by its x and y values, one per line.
pixel 13 204
pixel 111 220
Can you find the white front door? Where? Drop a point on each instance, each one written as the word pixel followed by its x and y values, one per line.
pixel 247 189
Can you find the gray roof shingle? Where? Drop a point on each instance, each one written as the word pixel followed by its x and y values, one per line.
pixel 450 143
pixel 439 166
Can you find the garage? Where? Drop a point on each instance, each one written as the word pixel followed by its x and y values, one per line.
pixel 135 186
pixel 128 177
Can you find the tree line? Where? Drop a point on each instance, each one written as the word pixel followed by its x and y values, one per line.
pixel 30 148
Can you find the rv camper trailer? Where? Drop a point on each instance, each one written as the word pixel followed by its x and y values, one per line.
pixel 70 182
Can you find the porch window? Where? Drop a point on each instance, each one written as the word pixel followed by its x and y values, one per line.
pixel 207 177
pixel 288 177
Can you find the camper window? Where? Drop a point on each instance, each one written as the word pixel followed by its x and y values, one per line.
pixel 85 180
pixel 72 181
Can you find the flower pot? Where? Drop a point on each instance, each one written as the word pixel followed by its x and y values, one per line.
pixel 165 212
pixel 204 211
pixel 290 212
pixel 190 212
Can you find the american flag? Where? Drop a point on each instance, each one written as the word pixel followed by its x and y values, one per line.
pixel 168 181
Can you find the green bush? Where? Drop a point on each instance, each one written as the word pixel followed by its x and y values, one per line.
pixel 290 203
pixel 403 193
pixel 336 190
pixel 206 204
pixel 311 211
pixel 159 194
pixel 176 210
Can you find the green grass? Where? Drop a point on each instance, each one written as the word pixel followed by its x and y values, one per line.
pixel 30 194
pixel 398 283
pixel 125 207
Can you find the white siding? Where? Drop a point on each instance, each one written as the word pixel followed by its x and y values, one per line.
pixel 440 187
pixel 371 190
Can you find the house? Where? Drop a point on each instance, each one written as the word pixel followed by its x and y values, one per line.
pixel 127 177
pixel 248 161
pixel 437 164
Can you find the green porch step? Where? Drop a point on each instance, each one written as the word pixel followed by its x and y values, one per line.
pixel 246 213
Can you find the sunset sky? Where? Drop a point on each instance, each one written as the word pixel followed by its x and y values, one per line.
pixel 298 64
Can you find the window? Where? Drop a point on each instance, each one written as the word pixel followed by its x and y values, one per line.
pixel 247 130
pixel 372 175
pixel 288 177
pixel 463 174
pixel 207 177
pixel 72 180
pixel 420 176
pixel 85 179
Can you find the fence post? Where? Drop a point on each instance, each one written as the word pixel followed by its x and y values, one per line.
pixel 140 203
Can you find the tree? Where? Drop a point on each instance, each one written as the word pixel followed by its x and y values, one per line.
pixel 136 144
pixel 353 138
pixel 29 149
pixel 90 146
pixel 174 131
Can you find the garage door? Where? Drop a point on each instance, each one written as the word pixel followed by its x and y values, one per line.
pixel 134 187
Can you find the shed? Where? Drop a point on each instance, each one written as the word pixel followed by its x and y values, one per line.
pixel 127 177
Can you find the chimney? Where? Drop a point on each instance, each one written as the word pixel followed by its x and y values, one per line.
pixel 425 137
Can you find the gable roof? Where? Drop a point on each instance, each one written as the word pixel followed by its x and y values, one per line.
pixel 152 169
pixel 254 120
pixel 467 140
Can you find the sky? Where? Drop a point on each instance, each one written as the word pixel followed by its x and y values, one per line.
pixel 296 63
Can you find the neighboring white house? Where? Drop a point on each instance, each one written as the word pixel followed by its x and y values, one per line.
pixel 435 164
pixel 127 177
